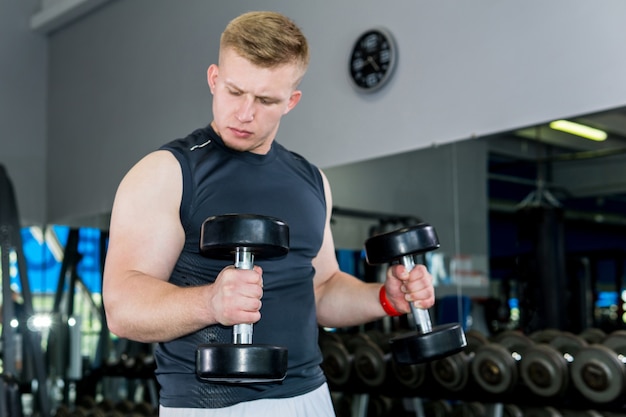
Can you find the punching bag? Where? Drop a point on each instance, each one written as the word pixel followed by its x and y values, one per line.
pixel 542 226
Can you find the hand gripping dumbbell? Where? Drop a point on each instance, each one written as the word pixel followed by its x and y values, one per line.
pixel 427 343
pixel 242 236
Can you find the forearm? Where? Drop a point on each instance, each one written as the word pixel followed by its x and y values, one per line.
pixel 344 300
pixel 148 310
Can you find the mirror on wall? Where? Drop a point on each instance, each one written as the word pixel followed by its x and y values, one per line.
pixel 557 220
pixel 474 191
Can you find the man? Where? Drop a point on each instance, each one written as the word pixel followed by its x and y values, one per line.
pixel 159 288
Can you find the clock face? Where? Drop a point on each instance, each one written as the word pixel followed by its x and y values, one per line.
pixel 373 59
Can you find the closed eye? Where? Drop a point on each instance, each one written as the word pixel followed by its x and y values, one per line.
pixel 267 100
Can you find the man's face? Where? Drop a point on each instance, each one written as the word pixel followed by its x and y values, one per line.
pixel 249 101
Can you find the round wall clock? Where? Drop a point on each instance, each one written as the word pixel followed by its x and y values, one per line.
pixel 373 59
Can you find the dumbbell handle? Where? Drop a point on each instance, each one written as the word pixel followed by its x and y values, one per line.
pixel 420 315
pixel 242 333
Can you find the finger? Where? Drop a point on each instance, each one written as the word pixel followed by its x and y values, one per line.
pixel 424 298
pixel 399 272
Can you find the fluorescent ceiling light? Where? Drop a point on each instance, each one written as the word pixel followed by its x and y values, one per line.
pixel 579 130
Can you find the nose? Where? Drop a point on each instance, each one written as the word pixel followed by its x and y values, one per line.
pixel 245 112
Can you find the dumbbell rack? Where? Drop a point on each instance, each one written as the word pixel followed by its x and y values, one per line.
pixel 517 398
pixel 11 241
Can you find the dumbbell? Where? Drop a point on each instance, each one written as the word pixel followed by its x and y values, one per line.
pixel 242 236
pixel 452 372
pixel 593 335
pixel 539 411
pixel 427 343
pixel 375 368
pixel 495 365
pixel 545 365
pixel 336 359
pixel 468 409
pixel 409 375
pixel 437 408
pixel 599 372
pixel 371 359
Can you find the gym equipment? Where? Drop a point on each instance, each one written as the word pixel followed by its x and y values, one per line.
pixel 598 371
pixel 10 399
pixel 545 366
pixel 468 409
pixel 11 241
pixel 427 343
pixel 370 359
pixel 437 408
pixel 375 368
pixel 593 335
pixel 242 236
pixel 511 410
pixel 337 360
pixel 546 411
pixel 452 372
pixel 495 364
pixel 544 335
pixel 410 375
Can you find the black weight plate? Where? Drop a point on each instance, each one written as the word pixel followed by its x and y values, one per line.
pixel 545 411
pixel 598 374
pixel 241 363
pixel 593 335
pixel 370 364
pixel 265 237
pixel 475 339
pixel 494 369
pixel 469 409
pixel 442 341
pixel 451 372
pixel 393 245
pixel 568 344
pixel 544 335
pixel 513 340
pixel 411 376
pixel 437 408
pixel 616 341
pixel 336 360
pixel 544 369
pixel 511 410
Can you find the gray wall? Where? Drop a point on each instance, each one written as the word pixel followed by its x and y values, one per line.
pixel 131 76
pixel 23 70
pixel 445 186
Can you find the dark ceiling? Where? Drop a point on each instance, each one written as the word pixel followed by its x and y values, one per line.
pixel 518 176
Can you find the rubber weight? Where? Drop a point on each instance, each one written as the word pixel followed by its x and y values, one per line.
pixel 426 343
pixel 242 237
pixel 495 365
pixel 598 371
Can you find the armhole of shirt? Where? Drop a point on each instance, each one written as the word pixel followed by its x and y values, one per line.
pixel 185 201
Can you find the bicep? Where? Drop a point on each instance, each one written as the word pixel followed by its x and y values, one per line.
pixel 145 235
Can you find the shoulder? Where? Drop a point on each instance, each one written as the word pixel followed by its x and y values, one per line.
pixel 153 171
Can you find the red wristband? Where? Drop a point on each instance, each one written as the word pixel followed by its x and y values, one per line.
pixel 382 296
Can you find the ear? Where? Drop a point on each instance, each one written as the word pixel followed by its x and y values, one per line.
pixel 211 76
pixel 294 99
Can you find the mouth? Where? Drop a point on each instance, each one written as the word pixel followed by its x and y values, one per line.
pixel 240 133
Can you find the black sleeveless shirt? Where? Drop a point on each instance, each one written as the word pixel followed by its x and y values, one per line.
pixel 218 180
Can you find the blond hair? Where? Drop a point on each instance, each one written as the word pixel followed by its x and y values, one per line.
pixel 267 40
